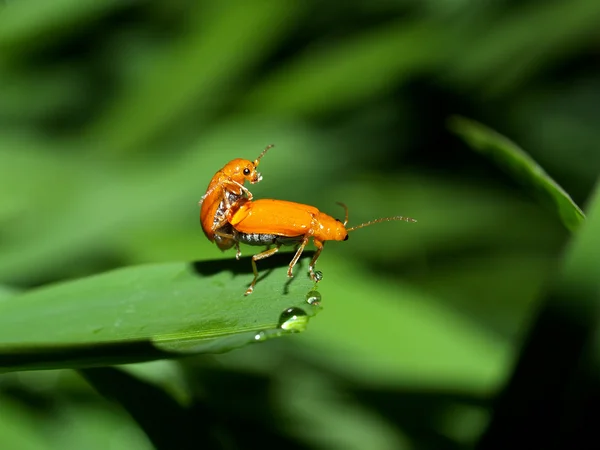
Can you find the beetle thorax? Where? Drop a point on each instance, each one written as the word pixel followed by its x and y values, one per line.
pixel 329 229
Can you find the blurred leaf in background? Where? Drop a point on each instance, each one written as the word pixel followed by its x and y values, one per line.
pixel 114 116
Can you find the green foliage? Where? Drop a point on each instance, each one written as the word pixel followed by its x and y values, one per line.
pixel 148 312
pixel 114 116
pixel 571 370
pixel 523 167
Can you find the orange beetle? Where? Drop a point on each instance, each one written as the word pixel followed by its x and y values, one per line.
pixel 278 222
pixel 224 190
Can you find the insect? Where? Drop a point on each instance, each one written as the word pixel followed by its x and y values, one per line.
pixel 224 191
pixel 278 222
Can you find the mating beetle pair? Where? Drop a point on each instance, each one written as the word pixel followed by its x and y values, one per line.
pixel 229 215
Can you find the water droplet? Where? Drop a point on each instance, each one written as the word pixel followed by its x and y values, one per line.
pixel 313 298
pixel 318 276
pixel 293 319
pixel 260 336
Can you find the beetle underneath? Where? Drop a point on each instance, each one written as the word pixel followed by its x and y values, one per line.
pixel 279 222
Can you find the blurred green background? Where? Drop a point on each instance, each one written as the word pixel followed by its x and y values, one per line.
pixel 114 115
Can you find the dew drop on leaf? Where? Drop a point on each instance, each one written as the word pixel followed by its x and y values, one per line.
pixel 260 336
pixel 293 319
pixel 313 298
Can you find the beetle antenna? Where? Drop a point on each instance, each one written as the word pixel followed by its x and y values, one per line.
pixel 343 205
pixel 263 154
pixel 383 219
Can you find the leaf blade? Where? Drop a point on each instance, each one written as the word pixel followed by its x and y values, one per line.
pixel 149 312
pixel 514 160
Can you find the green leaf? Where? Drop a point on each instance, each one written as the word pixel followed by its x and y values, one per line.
pixel 384 331
pixel 583 259
pixel 559 358
pixel 506 50
pixel 37 22
pixel 219 47
pixel 518 163
pixel 321 80
pixel 154 311
pixel 178 424
pixel 6 292
pixel 18 427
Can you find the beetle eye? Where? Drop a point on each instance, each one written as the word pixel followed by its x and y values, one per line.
pixel 338 220
pixel 346 238
pixel 246 171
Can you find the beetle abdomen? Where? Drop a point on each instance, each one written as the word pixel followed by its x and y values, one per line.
pixel 267 239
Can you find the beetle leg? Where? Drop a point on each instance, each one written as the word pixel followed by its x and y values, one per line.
pixel 242 187
pixel 215 227
pixel 248 193
pixel 219 186
pixel 311 267
pixel 226 246
pixel 228 212
pixel 297 256
pixel 255 258
pixel 223 221
pixel 225 235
